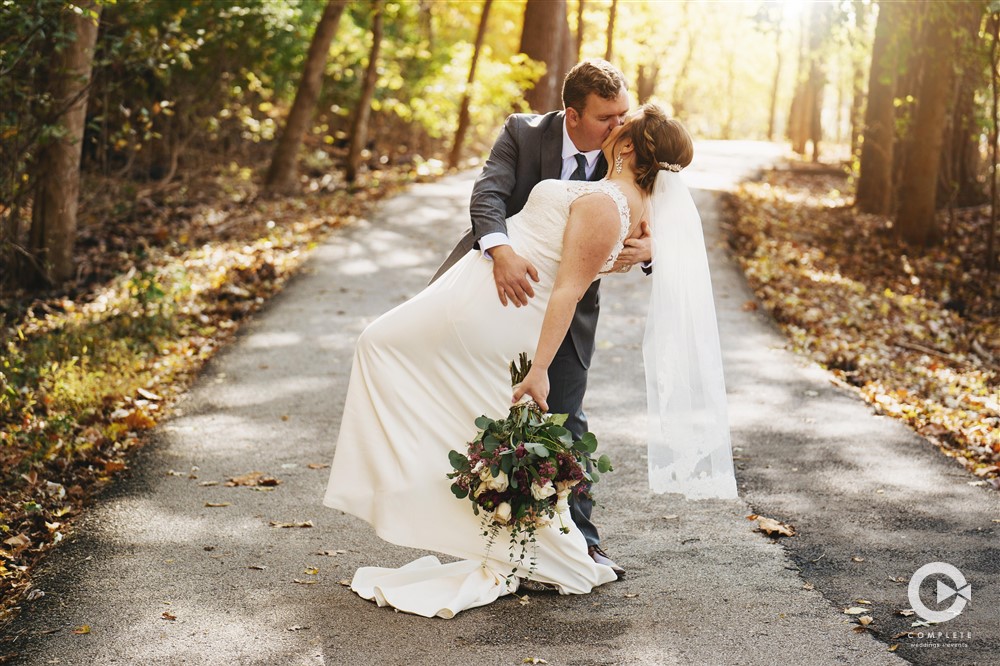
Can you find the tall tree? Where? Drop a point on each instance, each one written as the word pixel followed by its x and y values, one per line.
pixel 580 29
pixel 281 176
pixel 612 13
pixel 991 233
pixel 772 114
pixel 959 183
pixel 53 220
pixel 359 127
pixel 680 92
pixel 543 39
pixel 805 120
pixel 858 74
pixel 463 112
pixel 645 81
pixel 875 185
pixel 915 219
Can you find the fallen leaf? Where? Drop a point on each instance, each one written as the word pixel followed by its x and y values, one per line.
pixel 863 601
pixel 317 466
pixel 523 601
pixel 84 629
pixel 114 466
pixel 857 559
pixel 749 306
pixel 217 504
pixel 854 610
pixel 284 417
pixel 865 620
pixel 304 582
pixel 307 523
pixel 208 483
pixel 534 660
pixel 148 395
pixel 808 586
pixel 631 595
pixel 258 567
pixel 297 628
pixel 772 527
pixel 894 647
pixel 331 553
pixel 344 582
pixel 312 571
pixel 752 516
pixel 906 612
pixel 252 479
pixel 167 615
pixel 671 516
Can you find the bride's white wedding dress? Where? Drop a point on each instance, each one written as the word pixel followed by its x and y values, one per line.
pixel 422 373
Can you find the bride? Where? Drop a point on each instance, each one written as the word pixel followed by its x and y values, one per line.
pixel 425 370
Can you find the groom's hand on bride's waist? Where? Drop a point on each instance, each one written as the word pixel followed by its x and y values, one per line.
pixel 637 250
pixel 510 273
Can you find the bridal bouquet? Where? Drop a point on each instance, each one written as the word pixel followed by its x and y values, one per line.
pixel 520 470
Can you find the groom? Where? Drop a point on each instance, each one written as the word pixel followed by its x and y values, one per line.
pixel 566 145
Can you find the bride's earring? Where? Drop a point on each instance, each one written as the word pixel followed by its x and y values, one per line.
pixel 618 163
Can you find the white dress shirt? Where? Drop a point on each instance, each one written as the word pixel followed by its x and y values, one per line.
pixel 569 151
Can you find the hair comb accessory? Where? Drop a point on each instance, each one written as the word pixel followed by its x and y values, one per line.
pixel 670 167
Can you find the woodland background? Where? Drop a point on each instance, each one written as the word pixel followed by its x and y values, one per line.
pixel 166 164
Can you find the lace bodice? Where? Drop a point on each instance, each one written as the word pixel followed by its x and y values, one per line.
pixel 536 232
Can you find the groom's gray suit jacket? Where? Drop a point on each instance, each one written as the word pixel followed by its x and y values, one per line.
pixel 528 150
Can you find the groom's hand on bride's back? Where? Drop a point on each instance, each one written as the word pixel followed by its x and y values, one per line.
pixel 510 273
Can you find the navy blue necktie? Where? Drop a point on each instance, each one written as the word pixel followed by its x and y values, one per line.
pixel 581 168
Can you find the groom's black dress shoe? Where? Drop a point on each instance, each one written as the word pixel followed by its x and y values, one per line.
pixel 599 556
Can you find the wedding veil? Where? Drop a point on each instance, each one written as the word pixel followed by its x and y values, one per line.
pixel 689 448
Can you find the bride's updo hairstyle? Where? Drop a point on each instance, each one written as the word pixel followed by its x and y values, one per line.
pixel 660 142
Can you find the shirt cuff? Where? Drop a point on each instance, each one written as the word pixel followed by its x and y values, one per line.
pixel 490 241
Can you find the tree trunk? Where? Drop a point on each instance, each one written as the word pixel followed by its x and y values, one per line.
pixel 915 220
pixel 961 159
pixel 53 220
pixel 645 84
pixel 796 129
pixel 874 193
pixel 991 234
pixel 858 79
pixel 281 176
pixel 359 128
pixel 463 113
pixel 679 93
pixel 771 118
pixel 579 29
pixel 543 40
pixel 609 51
pixel 819 30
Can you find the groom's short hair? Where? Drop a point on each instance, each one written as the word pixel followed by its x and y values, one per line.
pixel 594 75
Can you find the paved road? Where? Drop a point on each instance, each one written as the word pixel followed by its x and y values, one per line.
pixel 703 588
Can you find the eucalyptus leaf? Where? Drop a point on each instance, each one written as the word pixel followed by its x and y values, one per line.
pixel 558 419
pixel 483 422
pixel 460 492
pixel 604 464
pixel 458 461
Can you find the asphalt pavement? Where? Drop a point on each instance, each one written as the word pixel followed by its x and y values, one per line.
pixel 173 567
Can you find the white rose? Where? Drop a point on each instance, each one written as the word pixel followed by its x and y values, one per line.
pixel 541 492
pixel 479 467
pixel 498 483
pixel 562 501
pixel 502 513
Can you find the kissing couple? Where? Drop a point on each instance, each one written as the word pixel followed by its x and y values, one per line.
pixel 564 199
